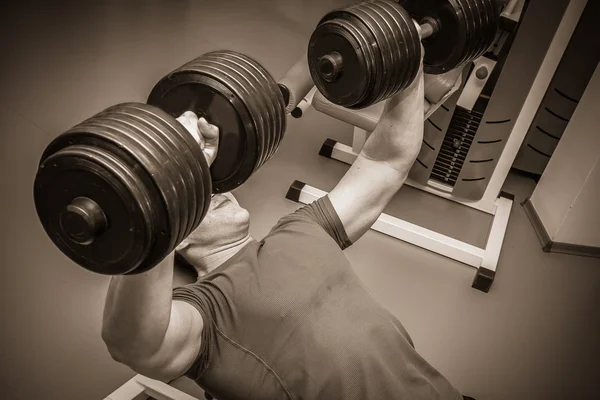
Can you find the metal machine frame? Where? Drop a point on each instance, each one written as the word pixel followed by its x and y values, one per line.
pixel 493 202
pixel 141 387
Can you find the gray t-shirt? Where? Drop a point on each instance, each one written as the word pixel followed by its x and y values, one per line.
pixel 287 318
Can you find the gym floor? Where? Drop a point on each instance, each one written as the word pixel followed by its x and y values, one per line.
pixel 534 336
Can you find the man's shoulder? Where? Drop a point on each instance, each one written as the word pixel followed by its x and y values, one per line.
pixel 317 220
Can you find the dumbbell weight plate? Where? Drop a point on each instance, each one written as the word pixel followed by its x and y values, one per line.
pixel 238 85
pixel 445 50
pixel 355 80
pixel 384 52
pixel 128 224
pixel 181 176
pixel 270 91
pixel 238 69
pixel 482 33
pixel 492 23
pixel 350 86
pixel 96 162
pixel 157 163
pixel 372 55
pixel 257 89
pixel 250 109
pixel 473 24
pixel 399 49
pixel 248 89
pixel 402 34
pixel 192 152
pixel 156 148
pixel 413 41
pixel 239 147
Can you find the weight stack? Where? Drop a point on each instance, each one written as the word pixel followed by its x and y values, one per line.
pixel 465 139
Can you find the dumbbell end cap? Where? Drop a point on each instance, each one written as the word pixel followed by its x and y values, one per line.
pixel 83 220
pixel 330 66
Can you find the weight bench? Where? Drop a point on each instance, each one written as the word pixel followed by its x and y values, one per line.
pixel 485 260
pixel 141 387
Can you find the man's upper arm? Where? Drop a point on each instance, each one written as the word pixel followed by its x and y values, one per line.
pixel 362 194
pixel 180 347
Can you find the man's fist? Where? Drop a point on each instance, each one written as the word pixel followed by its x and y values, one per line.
pixel 206 135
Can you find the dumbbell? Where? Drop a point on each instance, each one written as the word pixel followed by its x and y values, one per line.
pixel 118 192
pixel 367 52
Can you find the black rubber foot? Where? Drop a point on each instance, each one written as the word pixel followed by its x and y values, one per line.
pixel 297 112
pixel 507 195
pixel 294 191
pixel 483 279
pixel 327 148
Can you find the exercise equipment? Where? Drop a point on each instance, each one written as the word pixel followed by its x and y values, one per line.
pixel 118 192
pixel 501 93
pixel 367 52
pixel 239 96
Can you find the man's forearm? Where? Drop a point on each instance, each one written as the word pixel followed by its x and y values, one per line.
pixel 383 164
pixel 138 311
pixel 397 139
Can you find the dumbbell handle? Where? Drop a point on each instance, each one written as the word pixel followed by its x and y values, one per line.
pixel 428 27
pixel 427 30
pixel 296 83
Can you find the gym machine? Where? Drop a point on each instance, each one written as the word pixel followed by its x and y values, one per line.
pixel 471 141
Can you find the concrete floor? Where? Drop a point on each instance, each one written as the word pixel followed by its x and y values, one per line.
pixel 534 336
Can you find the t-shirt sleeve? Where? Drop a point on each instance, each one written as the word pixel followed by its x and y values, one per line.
pixel 321 213
pixel 194 294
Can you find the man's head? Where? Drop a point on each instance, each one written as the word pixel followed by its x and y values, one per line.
pixel 221 234
pixel 225 223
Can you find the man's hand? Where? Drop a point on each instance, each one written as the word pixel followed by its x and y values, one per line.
pixel 206 135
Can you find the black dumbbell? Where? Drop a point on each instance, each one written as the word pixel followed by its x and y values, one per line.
pixel 367 52
pixel 118 192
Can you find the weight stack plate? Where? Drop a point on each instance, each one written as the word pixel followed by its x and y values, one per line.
pixel 455 147
pixel 119 191
pixel 236 94
pixel 365 53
